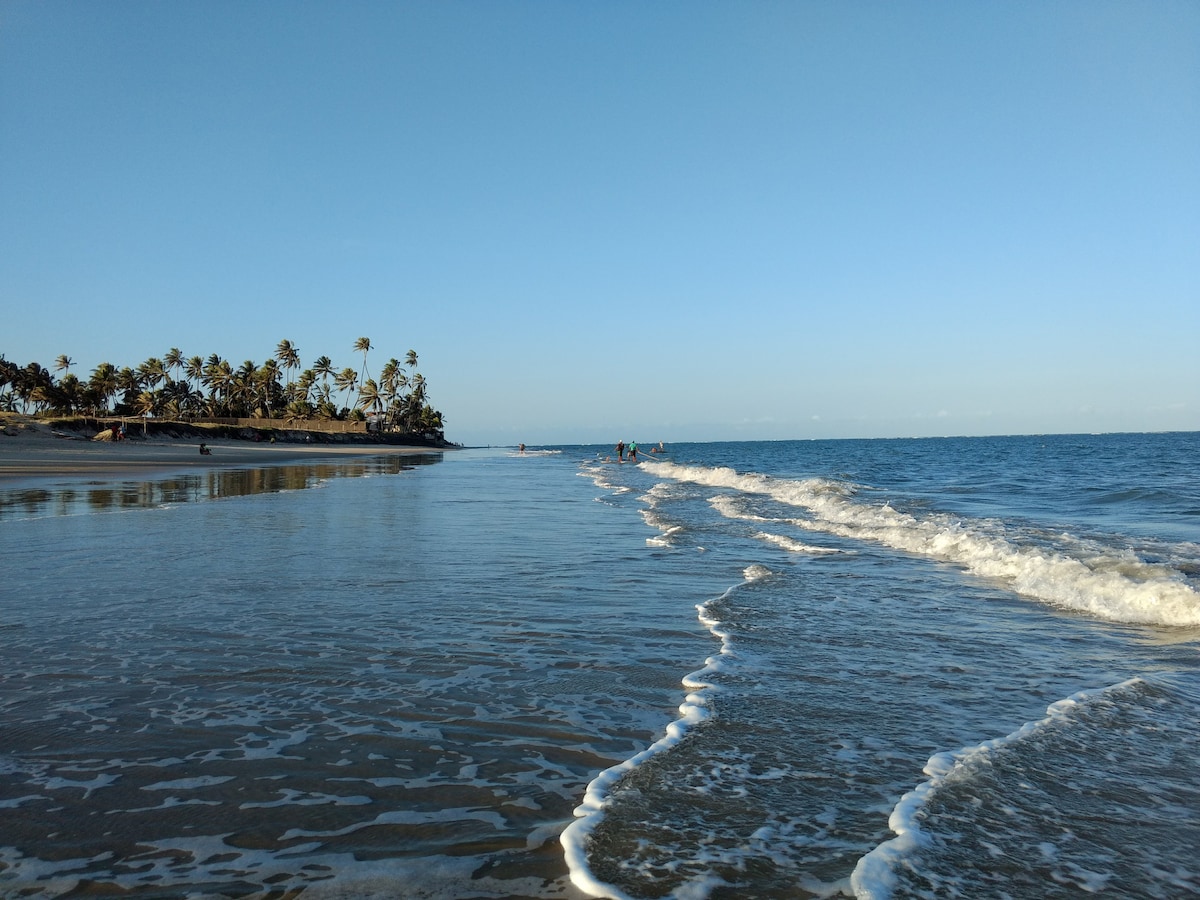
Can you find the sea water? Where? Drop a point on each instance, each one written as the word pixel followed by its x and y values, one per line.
pixel 910 668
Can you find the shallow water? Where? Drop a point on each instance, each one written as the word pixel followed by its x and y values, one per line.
pixel 367 679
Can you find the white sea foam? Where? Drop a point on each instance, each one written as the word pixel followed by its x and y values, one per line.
pixel 181 862
pixel 874 877
pixel 404 817
pixel 308 798
pixel 88 787
pixel 791 545
pixel 730 508
pixel 694 710
pixel 187 784
pixel 1108 584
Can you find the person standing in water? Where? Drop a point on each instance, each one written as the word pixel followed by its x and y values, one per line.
pixel 633 451
pixel 621 451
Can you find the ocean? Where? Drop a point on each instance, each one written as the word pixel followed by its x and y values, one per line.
pixel 935 668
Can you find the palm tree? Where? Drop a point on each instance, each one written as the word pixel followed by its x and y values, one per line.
pixel 368 396
pixel 179 400
pixel 190 401
pixel 346 380
pixel 63 363
pixel 288 355
pixel 218 378
pixel 268 381
pixel 299 394
pixel 194 369
pixel 173 359
pixel 411 359
pixel 102 386
pixel 325 408
pixel 245 388
pixel 363 344
pixel 129 385
pixel 418 389
pixel 324 367
pixel 208 375
pixel 68 395
pixel 34 384
pixel 145 405
pixel 152 372
pixel 303 387
pixel 8 378
pixel 409 411
pixel 391 380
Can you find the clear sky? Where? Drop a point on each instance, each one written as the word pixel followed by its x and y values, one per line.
pixel 625 220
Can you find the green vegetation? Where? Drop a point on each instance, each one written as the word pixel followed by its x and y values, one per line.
pixel 192 389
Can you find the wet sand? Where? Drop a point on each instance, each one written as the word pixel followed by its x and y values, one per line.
pixel 35 451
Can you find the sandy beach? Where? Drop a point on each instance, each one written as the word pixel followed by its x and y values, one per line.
pixel 31 450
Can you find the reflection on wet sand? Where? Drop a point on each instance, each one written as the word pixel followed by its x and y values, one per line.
pixel 212 484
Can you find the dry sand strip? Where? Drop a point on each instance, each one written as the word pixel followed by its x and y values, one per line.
pixel 36 452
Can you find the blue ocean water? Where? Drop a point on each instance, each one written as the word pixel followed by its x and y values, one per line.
pixel 912 668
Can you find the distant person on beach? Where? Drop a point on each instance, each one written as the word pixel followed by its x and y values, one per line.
pixel 204 451
pixel 621 451
pixel 521 447
pixel 633 451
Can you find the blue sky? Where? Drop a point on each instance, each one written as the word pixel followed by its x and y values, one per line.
pixel 614 220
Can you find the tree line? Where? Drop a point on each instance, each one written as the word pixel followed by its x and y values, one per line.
pixel 189 388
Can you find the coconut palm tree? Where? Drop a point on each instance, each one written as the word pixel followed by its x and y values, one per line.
pixel 190 401
pixel 208 376
pixel 173 360
pixel 388 372
pixel 324 407
pixel 34 385
pixel 363 344
pixel 8 379
pixel 244 389
pixel 179 400
pixel 300 391
pixel 418 389
pixel 63 363
pixel 102 386
pixel 288 355
pixel 146 404
pixel 368 396
pixel 68 395
pixel 129 384
pixel 218 378
pixel 324 367
pixel 152 372
pixel 194 369
pixel 391 381
pixel 267 378
pixel 346 380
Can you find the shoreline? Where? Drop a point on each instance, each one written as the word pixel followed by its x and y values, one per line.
pixel 33 451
